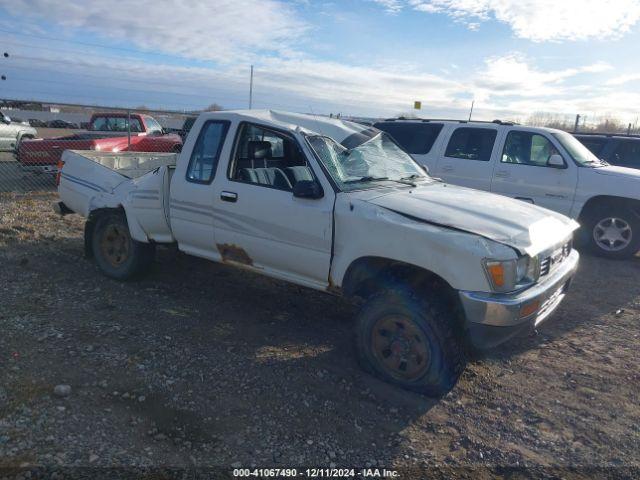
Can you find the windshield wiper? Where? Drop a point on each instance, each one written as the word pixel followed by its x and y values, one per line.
pixel 597 163
pixel 366 179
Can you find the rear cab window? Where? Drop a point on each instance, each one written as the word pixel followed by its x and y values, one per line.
pixel 109 123
pixel 471 143
pixel 414 138
pixel 206 152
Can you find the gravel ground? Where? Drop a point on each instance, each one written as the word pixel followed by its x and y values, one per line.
pixel 200 364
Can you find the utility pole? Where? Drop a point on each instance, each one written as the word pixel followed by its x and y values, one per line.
pixel 251 89
pixel 471 111
pixel 129 128
pixel 575 127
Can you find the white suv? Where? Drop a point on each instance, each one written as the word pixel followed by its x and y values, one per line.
pixel 544 166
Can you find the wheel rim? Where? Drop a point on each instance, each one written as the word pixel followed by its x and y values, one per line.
pixel 114 245
pixel 612 234
pixel 400 347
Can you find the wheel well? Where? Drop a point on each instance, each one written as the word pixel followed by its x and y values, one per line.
pixel 90 224
pixel 367 275
pixel 608 201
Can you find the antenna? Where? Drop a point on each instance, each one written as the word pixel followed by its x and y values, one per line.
pixel 471 111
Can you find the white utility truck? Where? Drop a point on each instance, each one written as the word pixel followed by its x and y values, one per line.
pixel 339 207
pixel 543 166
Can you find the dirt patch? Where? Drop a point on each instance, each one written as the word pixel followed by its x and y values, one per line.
pixel 202 364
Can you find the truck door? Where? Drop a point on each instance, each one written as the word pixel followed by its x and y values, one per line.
pixel 465 159
pixel 191 206
pixel 259 223
pixel 523 171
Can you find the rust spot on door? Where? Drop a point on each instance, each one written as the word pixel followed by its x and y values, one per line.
pixel 332 288
pixel 234 254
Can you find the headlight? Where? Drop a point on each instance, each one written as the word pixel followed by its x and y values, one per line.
pixel 508 275
pixel 527 270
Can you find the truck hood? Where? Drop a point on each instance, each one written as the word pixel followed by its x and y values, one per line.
pixel 520 225
pixel 620 172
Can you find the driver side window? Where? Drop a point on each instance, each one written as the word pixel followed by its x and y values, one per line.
pixel 268 158
pixel 527 148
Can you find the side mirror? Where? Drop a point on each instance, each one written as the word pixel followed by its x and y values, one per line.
pixel 6 120
pixel 556 161
pixel 307 189
pixel 425 168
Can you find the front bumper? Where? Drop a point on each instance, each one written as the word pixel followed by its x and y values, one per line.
pixel 493 318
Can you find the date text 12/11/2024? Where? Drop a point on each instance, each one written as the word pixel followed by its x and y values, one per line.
pixel 316 472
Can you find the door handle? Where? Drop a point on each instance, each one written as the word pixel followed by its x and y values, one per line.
pixel 502 174
pixel 448 168
pixel 229 197
pixel 554 195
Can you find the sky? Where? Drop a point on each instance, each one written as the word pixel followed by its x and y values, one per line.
pixel 513 58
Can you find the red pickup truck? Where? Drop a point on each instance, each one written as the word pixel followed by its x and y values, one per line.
pixel 107 132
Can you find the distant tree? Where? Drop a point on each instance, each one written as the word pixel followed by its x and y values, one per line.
pixel 214 107
pixel 550 120
pixel 610 125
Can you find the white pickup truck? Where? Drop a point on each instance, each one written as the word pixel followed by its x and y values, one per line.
pixel 338 207
pixel 543 166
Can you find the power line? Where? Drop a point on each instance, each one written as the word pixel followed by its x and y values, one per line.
pixel 57 62
pixel 89 44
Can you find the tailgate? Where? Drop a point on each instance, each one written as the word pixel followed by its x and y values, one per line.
pixel 84 184
pixel 47 152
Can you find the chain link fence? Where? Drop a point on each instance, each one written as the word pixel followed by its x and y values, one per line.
pixel 33 136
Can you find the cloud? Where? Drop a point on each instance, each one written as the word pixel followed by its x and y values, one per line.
pixel 512 75
pixel 391 6
pixel 542 20
pixel 221 30
pixel 268 34
pixel 622 79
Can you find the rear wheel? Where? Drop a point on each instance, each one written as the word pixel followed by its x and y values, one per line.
pixel 117 254
pixel 613 232
pixel 410 342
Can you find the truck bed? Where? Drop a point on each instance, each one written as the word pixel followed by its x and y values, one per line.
pixel 135 181
pixel 128 164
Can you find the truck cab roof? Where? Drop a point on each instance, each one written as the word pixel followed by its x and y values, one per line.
pixel 337 129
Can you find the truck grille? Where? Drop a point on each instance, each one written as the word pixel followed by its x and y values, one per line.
pixel 550 262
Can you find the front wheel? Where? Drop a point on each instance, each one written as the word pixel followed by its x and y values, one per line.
pixel 410 342
pixel 117 254
pixel 614 232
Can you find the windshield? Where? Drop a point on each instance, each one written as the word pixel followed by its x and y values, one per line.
pixel 378 159
pixel 580 154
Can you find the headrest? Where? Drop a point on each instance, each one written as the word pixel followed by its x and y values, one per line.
pixel 259 150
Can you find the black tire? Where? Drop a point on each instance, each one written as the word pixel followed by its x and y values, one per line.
pixel 116 253
pixel 623 220
pixel 427 331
